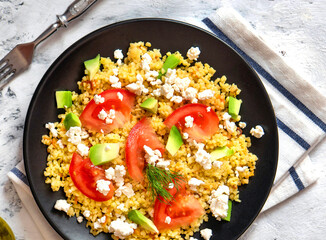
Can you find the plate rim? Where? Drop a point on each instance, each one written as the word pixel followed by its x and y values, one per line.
pixel 73 46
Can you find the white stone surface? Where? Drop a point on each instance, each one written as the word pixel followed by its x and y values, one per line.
pixel 296 29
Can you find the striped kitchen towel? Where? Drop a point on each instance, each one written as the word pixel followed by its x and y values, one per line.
pixel 300 109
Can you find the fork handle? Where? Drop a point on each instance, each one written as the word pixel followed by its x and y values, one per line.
pixel 73 11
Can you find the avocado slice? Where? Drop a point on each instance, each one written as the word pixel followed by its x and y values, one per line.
pixel 137 217
pixel 63 98
pixel 234 106
pixel 174 141
pixel 170 62
pixel 103 153
pixel 150 104
pixel 71 120
pixel 5 231
pixel 221 152
pixel 92 66
pixel 228 217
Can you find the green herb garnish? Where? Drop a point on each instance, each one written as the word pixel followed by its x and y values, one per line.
pixel 159 180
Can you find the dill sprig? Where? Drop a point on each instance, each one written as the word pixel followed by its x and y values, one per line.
pixel 159 180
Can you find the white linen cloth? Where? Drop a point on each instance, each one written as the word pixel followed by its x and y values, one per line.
pixel 300 111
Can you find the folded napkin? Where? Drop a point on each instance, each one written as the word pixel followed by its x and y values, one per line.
pixel 299 107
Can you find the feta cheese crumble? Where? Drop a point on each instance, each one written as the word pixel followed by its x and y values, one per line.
pixel 189 121
pixel 118 54
pixel 193 53
pixel 154 157
pixel 52 129
pixel 190 94
pixel 62 205
pixel 257 132
pixel 120 96
pixel 102 114
pixel 217 164
pixel 126 190
pixel 80 219
pixel 76 134
pixel 167 90
pixel 98 99
pixel 202 157
pixel 167 220
pixel 121 229
pixel 103 186
pixel 242 125
pixel 194 183
pixel 87 213
pixel 241 169
pixel 206 94
pixel 59 142
pixel 116 174
pixel 82 149
pixel 219 202
pixel 206 233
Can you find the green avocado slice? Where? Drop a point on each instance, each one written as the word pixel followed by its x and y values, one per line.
pixel 137 217
pixel 174 141
pixel 228 217
pixel 103 153
pixel 63 98
pixel 234 106
pixel 170 62
pixel 71 120
pixel 221 152
pixel 150 104
pixel 92 66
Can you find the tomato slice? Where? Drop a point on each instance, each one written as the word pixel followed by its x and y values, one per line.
pixel 141 134
pixel 183 209
pixel 205 123
pixel 85 174
pixel 89 117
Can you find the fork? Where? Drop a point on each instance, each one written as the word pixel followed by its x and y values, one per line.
pixel 20 57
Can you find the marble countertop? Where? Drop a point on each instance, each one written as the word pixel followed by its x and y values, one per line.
pixel 295 29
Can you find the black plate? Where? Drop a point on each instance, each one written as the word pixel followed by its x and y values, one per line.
pixel 166 35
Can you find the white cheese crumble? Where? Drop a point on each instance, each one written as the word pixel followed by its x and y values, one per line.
pixel 206 94
pixel 230 126
pixel 87 213
pixel 122 229
pixel 219 202
pixel 52 129
pixel 167 91
pixel 241 169
pixel 59 142
pixel 154 157
pixel 226 116
pixel 97 225
pixel 82 149
pixel 120 96
pixel 102 114
pixel 115 71
pixel 80 219
pixel 176 99
pixel 113 79
pixel 202 157
pixel 257 132
pixel 138 88
pixel 126 190
pixel 194 183
pixel 193 53
pixel 242 125
pixel 157 92
pixel 181 84
pixel 146 60
pixel 167 220
pixel 118 54
pixel 76 134
pixel 185 135
pixel 121 206
pixel 189 121
pixel 98 99
pixel 192 238
pixel 217 164
pixel 171 185
pixel 206 233
pixel 116 174
pixel 190 94
pixel 208 109
pixel 62 205
pixel 103 186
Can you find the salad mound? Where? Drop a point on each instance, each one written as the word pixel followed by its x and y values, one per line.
pixel 149 146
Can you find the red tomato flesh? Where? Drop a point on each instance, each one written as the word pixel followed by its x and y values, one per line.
pixel 85 174
pixel 205 123
pixel 183 209
pixel 141 134
pixel 89 117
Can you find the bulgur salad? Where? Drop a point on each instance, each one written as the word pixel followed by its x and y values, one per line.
pixel 150 146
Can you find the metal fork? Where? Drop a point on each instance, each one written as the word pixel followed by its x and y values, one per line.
pixel 20 57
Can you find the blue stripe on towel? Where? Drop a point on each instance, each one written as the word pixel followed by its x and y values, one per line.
pixel 296 178
pixel 20 175
pixel 292 134
pixel 267 76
